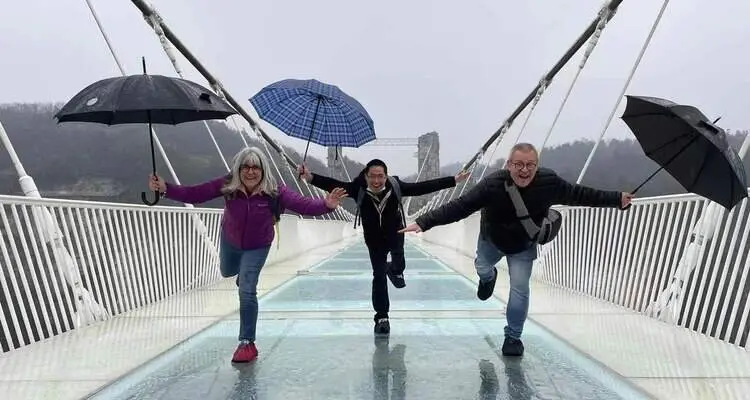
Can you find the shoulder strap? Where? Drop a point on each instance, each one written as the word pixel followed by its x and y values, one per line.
pixel 397 192
pixel 396 188
pixel 521 212
pixel 275 205
pixel 360 198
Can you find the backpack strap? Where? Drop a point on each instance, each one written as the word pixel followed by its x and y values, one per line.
pixel 397 192
pixel 275 205
pixel 360 198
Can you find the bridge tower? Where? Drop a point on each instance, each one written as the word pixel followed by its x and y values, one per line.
pixel 427 154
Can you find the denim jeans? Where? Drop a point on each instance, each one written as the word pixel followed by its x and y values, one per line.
pixel 519 269
pixel 247 264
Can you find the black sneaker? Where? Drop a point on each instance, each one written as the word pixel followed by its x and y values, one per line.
pixel 512 347
pixel 382 326
pixel 397 280
pixel 485 289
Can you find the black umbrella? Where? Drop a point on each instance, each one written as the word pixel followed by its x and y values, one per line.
pixel 144 99
pixel 691 148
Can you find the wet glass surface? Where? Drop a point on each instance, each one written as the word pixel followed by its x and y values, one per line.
pixel 363 265
pixel 426 358
pixel 358 252
pixel 352 292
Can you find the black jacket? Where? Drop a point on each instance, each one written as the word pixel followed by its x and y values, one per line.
pixel 499 223
pixel 375 228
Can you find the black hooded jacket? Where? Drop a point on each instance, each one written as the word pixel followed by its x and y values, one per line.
pixel 499 223
pixel 379 226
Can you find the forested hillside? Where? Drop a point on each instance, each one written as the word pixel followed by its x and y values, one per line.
pixel 90 161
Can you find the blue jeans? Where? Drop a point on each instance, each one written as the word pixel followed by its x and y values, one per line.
pixel 519 269
pixel 247 264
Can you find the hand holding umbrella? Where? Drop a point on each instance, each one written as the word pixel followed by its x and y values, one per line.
pixel 144 99
pixel 315 111
pixel 690 148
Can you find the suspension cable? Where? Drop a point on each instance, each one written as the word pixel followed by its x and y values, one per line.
pixel 419 174
pixel 536 92
pixel 199 225
pixel 154 21
pixel 550 75
pixel 147 10
pixel 604 16
pixel 624 89
pixel 157 142
pixel 343 164
pixel 543 84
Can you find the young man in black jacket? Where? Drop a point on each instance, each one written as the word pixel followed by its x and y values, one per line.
pixel 382 217
pixel 503 235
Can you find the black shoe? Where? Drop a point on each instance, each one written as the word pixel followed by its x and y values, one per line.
pixel 382 326
pixel 512 347
pixel 396 280
pixel 485 289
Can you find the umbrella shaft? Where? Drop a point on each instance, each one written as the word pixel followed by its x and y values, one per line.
pixel 312 129
pixel 682 150
pixel 153 153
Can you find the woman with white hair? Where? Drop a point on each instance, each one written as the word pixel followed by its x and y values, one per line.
pixel 253 199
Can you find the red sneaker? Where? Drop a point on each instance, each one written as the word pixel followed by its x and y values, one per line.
pixel 245 353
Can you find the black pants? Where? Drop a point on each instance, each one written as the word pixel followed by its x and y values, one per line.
pixel 379 250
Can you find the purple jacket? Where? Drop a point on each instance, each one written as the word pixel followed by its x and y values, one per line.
pixel 248 220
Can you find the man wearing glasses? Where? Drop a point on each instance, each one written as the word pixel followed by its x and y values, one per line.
pixel 515 217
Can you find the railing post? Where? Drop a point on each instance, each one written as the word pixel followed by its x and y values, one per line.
pixel 700 236
pixel 87 309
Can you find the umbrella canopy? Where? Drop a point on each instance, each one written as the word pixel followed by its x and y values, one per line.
pixel 314 111
pixel 686 144
pixel 144 99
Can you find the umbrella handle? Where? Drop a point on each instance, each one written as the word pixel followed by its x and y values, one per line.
pixel 146 200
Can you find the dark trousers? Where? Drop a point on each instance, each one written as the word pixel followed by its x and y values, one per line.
pixel 379 250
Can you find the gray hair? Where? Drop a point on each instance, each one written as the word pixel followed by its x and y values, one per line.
pixel 524 147
pixel 251 156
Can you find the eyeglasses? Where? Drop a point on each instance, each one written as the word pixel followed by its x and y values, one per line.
pixel 246 167
pixel 520 164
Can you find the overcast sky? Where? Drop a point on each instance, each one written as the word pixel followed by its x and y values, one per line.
pixel 456 67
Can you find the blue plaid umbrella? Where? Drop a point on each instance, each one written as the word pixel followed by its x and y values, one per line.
pixel 314 111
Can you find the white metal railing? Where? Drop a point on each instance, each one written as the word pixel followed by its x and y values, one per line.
pixel 110 258
pixel 631 258
pixel 122 256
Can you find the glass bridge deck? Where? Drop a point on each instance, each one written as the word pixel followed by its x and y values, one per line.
pixel 322 355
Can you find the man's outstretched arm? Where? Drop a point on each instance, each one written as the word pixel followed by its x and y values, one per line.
pixel 572 194
pixel 474 200
pixel 433 185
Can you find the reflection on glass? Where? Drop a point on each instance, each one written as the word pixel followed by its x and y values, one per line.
pixel 245 387
pixel 385 360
